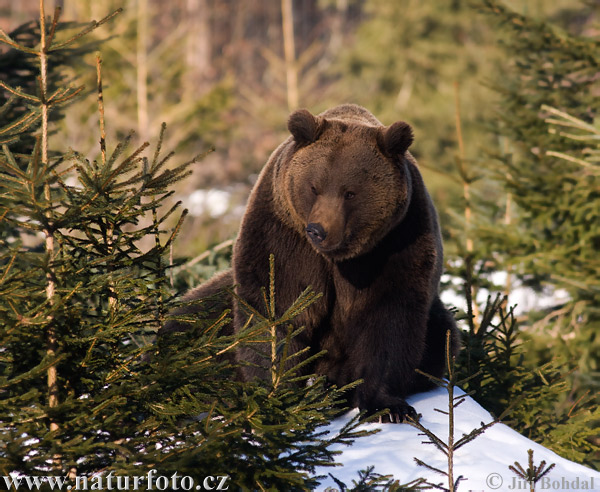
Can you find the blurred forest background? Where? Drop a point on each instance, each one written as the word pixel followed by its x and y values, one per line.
pixel 225 74
pixel 503 99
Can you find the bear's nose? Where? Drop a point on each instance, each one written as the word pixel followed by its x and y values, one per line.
pixel 316 232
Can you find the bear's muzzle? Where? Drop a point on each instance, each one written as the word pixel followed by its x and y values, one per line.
pixel 316 233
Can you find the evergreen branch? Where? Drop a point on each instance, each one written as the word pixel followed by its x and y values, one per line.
pixel 232 345
pixel 167 178
pixel 127 164
pixel 533 474
pixel 490 310
pixel 124 367
pixel 92 26
pixel 9 103
pixel 458 400
pixel 177 228
pixel 435 440
pixel 429 467
pixel 161 135
pixel 22 123
pixel 458 480
pixel 216 326
pixel 552 121
pixel 42 83
pixel 463 381
pixel 304 300
pixel 19 93
pixel 100 93
pixel 9 140
pixel 518 470
pixel 348 431
pixel 166 215
pixel 276 372
pixel 6 39
pixel 474 433
pixel 575 160
pixel 571 121
pixel 35 372
pixel 473 331
pixel 9 265
pixel 120 148
pixel 12 166
pixel 271 305
pixel 570 281
pixel 248 308
pixel 57 12
pixel 65 95
pixel 115 400
pixel 579 400
pixel 438 381
pixel 302 363
pixel 541 473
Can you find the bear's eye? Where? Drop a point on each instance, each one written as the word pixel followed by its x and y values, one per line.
pixel 314 190
pixel 349 195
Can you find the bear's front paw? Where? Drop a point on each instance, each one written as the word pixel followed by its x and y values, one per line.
pixel 399 414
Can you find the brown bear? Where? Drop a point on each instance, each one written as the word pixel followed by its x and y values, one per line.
pixel 342 206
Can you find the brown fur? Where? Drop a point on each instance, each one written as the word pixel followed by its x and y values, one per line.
pixel 219 282
pixel 342 206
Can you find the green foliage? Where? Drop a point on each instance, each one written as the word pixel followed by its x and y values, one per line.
pixel 83 288
pixel 267 435
pixel 493 360
pixel 542 233
pixel 19 80
pixel 552 240
pixel 83 305
pixel 204 422
pixel 369 480
pixel 84 282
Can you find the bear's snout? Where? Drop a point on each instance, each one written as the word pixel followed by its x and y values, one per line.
pixel 316 233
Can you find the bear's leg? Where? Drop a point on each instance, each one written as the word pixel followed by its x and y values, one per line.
pixel 434 359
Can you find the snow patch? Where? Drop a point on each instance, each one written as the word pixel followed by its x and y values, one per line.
pixel 483 462
pixel 213 202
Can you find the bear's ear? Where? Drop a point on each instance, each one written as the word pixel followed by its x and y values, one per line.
pixel 304 127
pixel 396 139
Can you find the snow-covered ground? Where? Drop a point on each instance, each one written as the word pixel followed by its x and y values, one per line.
pixel 483 462
pixel 524 299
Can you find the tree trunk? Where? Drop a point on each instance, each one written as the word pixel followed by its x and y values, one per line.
pixel 142 69
pixel 198 50
pixel 289 49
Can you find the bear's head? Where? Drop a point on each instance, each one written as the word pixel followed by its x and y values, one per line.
pixel 345 181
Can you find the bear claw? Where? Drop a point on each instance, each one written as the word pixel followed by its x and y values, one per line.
pixel 400 414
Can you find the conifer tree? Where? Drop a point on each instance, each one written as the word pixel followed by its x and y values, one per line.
pixel 84 390
pixel 546 402
pixel 76 305
pixel 552 242
pixel 494 371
